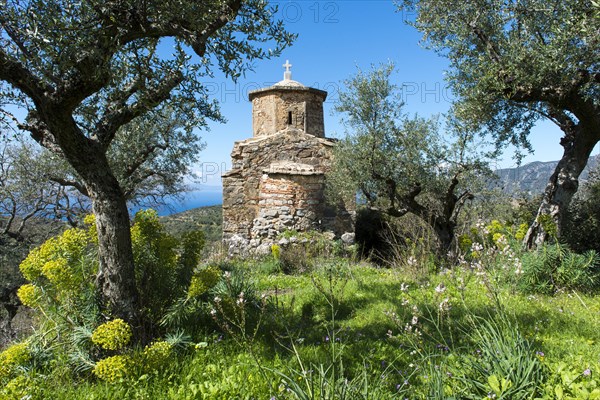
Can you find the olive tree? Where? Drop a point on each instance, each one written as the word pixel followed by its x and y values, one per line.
pixel 515 62
pixel 73 74
pixel 402 164
pixel 151 158
pixel 26 193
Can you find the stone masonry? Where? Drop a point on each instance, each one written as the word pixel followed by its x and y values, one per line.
pixel 277 178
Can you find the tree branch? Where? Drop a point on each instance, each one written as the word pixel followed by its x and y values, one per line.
pixel 36 209
pixel 490 46
pixel 408 202
pixel 133 188
pixel 119 113
pixel 40 133
pixel 121 27
pixel 69 183
pixel 20 78
pixel 142 157
pixel 11 218
pixel 460 202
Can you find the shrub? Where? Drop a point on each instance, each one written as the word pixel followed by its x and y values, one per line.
pixel 29 295
pixel 236 285
pixel 20 387
pixel 192 245
pixel 155 259
pixel 303 249
pixel 496 234
pixel 113 369
pixel 554 267
pixel 58 260
pixel 581 224
pixel 14 356
pixel 112 335
pixel 505 366
pixel 275 251
pixel 62 290
pixel 203 280
pixel 164 265
pixel 61 281
pixel 156 355
pixel 295 259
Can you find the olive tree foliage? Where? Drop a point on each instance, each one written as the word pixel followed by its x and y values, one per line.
pixel 515 62
pixel 78 72
pixel 26 193
pixel 151 158
pixel 401 164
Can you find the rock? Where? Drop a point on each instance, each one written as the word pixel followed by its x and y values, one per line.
pixel 348 238
pixel 283 242
pixel 329 235
pixel 284 210
pixel 237 245
pixel 264 249
pixel 269 212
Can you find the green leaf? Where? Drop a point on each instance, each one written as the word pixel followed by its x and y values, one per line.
pixel 494 384
pixel 558 391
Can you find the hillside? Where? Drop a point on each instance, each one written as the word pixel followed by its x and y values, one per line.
pixel 208 219
pixel 531 179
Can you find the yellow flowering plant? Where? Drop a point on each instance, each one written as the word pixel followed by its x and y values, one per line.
pixel 20 387
pixel 113 369
pixel 90 221
pixel 165 264
pixel 61 288
pixel 29 295
pixel 156 355
pixel 275 251
pixel 112 335
pixel 61 279
pixel 14 356
pixel 203 280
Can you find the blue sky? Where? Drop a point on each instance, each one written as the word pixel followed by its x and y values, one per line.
pixel 334 38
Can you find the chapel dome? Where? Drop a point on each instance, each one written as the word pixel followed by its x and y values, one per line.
pixel 287 104
pixel 288 83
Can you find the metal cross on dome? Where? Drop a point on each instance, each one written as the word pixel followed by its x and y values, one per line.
pixel 287 75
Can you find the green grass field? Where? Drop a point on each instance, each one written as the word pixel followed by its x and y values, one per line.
pixel 378 333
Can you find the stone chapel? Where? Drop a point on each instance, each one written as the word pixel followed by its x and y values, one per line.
pixel 277 178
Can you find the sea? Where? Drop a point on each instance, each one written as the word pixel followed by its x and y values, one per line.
pixel 209 196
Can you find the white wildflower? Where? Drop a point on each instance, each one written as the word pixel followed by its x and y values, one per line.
pixel 441 288
pixel 476 247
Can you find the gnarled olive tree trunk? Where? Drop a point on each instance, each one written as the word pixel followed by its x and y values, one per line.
pixel 116 275
pixel 564 182
pixel 117 291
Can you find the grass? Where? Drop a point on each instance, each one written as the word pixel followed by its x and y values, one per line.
pixel 352 325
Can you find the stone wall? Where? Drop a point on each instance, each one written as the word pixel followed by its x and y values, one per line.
pixel 277 183
pixel 288 201
pixel 271 111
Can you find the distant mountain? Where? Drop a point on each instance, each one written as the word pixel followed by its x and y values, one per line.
pixel 531 179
